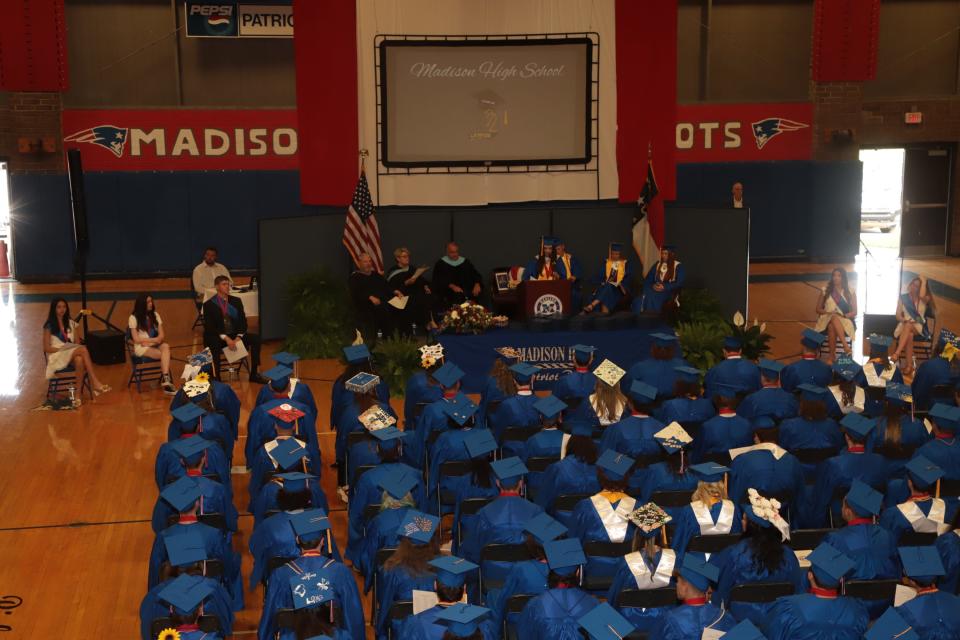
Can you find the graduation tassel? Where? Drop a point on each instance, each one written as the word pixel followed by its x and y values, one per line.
pixel 663 535
pixel 937 494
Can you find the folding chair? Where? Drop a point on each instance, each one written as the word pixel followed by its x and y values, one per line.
pixel 642 462
pixel 381 557
pixel 451 469
pixel 814 456
pixel 718 457
pixel 515 604
pixel 917 539
pixel 839 346
pixel 758 592
pixel 142 368
pixel 517 434
pixel 470 507
pixel 713 544
pixel 226 367
pixel 398 611
pixel 949 488
pixel 671 498
pixel 647 598
pixel 803 539
pixel 539 464
pixel 592 582
pixel 499 553
pixel 871 589
pixel 64 379
pixel 207 623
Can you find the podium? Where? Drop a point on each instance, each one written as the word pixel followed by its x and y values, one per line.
pixel 544 298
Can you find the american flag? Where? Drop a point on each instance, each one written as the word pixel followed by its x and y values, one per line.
pixel 360 232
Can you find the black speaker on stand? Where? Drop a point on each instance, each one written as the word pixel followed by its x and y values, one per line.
pixel 106 346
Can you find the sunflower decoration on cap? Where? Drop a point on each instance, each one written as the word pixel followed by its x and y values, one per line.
pixel 169 634
pixel 198 386
pixel 203 377
pixel 286 412
pixel 430 355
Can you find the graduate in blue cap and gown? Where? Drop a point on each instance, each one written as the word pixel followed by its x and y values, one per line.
pixel 871 547
pixel 575 473
pixel 846 396
pixel 733 373
pixel 222 397
pixel 358 361
pixel 687 406
pixel 553 614
pixel 422 389
pixel 215 497
pixel 809 369
pixel 263 424
pixel 283 384
pixel 897 431
pixel 350 422
pixel 767 467
pixel 450 586
pixel 194 418
pixel 695 613
pixel 312 578
pixel 613 283
pixel 710 511
pixel 580 382
pixel 663 282
pixel 434 416
pixel 548 443
pixel 877 373
pixel 922 512
pixel 453 445
pixel 543 266
pixel 761 556
pixel 516 411
pixel 382 531
pixel 948 546
pixel 934 614
pixel 268 499
pixel 673 474
pixel 605 623
pixel 285 452
pixel 185 596
pixel 568 268
pixel 500 383
pixel 822 612
pixel 466 622
pixel 941 370
pixel 633 434
pixel 943 450
pixel 812 428
pixel 481 482
pixel 771 399
pixel 660 369
pixel 724 431
pixel 606 404
pixel 171 461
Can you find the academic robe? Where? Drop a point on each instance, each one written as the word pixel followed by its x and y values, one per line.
pixel 806 616
pixel 433 418
pixel 515 411
pixel 633 435
pixel 169 467
pixel 837 407
pixel 609 291
pixel 741 567
pixel 637 572
pixel 545 444
pixel 263 466
pixel 654 300
pixel 463 524
pixel 380 533
pixel 948 546
pixel 500 522
pixel 261 427
pixel 425 626
pixel 418 390
pixel 799 433
pixel 760 469
pixel 213 426
pixel 214 499
pixel 930 373
pixel 299 392
pixel 224 399
pixel 372 317
pixel 218 603
pixel 217 546
pixel 533 270
pixel 460 272
pixel 365 453
pixel 839 472
pixel 720 434
pixel 368 491
pixel 661 477
pixel 449 447
pixel 421 301
pixel 932 515
pixel 661 374
pixel 730 377
pixel 588 525
pixel 570 476
pixel 874 408
pixel 579 383
pixel 267 499
pixel 913 434
pixel 490 396
pixel 687 622
pixel 810 370
pixel 933 616
pixel 774 402
pixel 274 538
pixel 943 452
pixel 874 554
pixel 568 267
pixel 685 411
pixel 350 422
pixel 341 398
pixel 717 519
pixel 315 568
pixel 525 577
pixel 553 615
pixel 397 585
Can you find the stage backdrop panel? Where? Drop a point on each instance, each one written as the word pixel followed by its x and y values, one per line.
pixel 425 232
pixel 588 233
pixel 714 247
pixel 499 237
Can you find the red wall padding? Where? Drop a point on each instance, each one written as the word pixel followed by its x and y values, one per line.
pixel 33 46
pixel 845 40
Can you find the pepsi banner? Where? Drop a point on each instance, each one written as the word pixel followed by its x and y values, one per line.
pixel 744 132
pixel 182 139
pixel 220 19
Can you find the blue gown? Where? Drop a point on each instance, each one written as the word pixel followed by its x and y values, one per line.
pixel 267 500
pixel 813 371
pixel 350 422
pixel 740 567
pixel 769 401
pixel 301 393
pixel 397 585
pixel 933 372
pixel 365 453
pixel 218 603
pixel 948 546
pixel 525 577
pixel 213 426
pixel 340 399
pixel 661 374
pixel 839 472
pixel 608 293
pixel 660 477
pixel 515 411
pixel 215 500
pixel 874 553
pixel 721 433
pixel 894 521
pixel 224 399
pixel 432 419
pixel 500 522
pixel 633 435
pixel 688 528
pixel 424 626
pixel 262 467
pixel 368 491
pixel 449 447
pixel 933 616
pixel 340 578
pixel 579 384
pixel 553 615
pixel 169 467
pixel 643 619
pixel 807 617
pixel 799 433
pixel 653 300
pixel 912 433
pixel 685 411
pixel 945 453
pixel 217 546
pixel 380 533
pixel 570 476
pixel 463 524
pixel 730 377
pixel 274 538
pixel 261 426
pixel 687 622
pixel 771 477
pixel 874 408
pixel 546 444
pixel 586 525
pixel 419 389
pixel 490 393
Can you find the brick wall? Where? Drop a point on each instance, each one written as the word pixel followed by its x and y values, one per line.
pixel 35 116
pixel 836 107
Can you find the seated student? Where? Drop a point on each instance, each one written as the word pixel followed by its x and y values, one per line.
pixel 383 530
pixel 315 621
pixel 686 406
pixel 726 430
pixel 215 497
pixel 465 622
pixel 948 546
pixel 943 450
pixel 206 273
pixel 284 385
pixel 766 467
pixel 172 457
pixel 554 613
pixel 914 307
pixel 921 512
pixel 453 446
pixel 661 368
pixel 575 473
pixel 876 373
pixel 896 430
pixel 434 417
pixel 933 614
pixel 182 595
pixel 674 473
pixel 312 578
pixel 422 389
pixel 358 361
pixel 695 615
pixel 225 325
pixel 812 428
pixel 549 441
pixel 268 500
pixel 146 333
pixel 569 269
pixel 222 398
pixel 822 612
pixel 61 344
pixel 607 402
pixel 942 369
pixel 809 369
pixel 710 512
pixel 836 313
pixel 633 434
pixel 870 546
pixel 498 386
pixel 580 382
pixel 770 400
pixel 285 452
pixel 613 283
pixel 661 287
pixel 648 566
pixel 845 395
pixel 455 279
pixel 354 419
pixel 275 538
pixel 479 483
pixel 733 373
pixel 421 303
pixel 193 420
pixel 516 411
pixel 450 587
pixel 760 556
pixel 543 266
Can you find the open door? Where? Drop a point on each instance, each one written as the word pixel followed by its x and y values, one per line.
pixel 926 200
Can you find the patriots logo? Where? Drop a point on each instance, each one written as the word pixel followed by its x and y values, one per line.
pixel 766 130
pixel 106 135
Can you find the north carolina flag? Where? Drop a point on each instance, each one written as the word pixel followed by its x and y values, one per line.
pixel 643 242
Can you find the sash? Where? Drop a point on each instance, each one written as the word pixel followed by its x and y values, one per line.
pixel 859 397
pixel 565 261
pixel 916 314
pixel 705 520
pixel 618 267
pixel 763 446
pixel 641 572
pixel 293 386
pixel 397 270
pixel 563 445
pixel 840 302
pixel 878 380
pixel 662 270
pixel 614 521
pixel 453 263
pixel 930 523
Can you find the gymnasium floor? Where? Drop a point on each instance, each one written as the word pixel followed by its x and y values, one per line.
pixel 77 486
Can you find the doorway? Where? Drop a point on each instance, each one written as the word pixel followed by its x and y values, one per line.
pixel 5 235
pixel 926 201
pixel 881 210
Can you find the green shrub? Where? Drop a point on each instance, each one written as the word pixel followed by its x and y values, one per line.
pixel 320 313
pixel 397 359
pixel 702 342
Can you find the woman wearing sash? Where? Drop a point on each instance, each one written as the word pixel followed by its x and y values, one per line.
pixel 614 284
pixel 836 310
pixel 662 285
pixel 146 333
pixel 543 266
pixel 674 473
pixel 62 347
pixel 404 278
pixel 710 512
pixel 915 305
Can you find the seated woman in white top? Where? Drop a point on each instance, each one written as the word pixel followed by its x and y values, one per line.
pixel 62 346
pixel 146 332
pixel 836 312
pixel 914 307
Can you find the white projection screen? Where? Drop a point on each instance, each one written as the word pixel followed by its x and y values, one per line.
pixel 485 102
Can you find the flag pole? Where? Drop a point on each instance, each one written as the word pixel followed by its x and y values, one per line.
pixel 363 160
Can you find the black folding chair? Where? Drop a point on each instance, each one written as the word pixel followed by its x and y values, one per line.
pixel 356 437
pixel 518 434
pixel 592 582
pixel 213 568
pixel 451 469
pixel 647 598
pixel 500 553
pixel 942 393
pixel 142 368
pixel 362 469
pixel 917 539
pixel 892 452
pixel 398 611
pixel 274 563
pixel 515 604
pixel 540 464
pixel 949 488
pixel 470 507
pixel 871 589
pixel 713 544
pixel 215 520
pixel 802 539
pixel 671 498
pixel 371 511
pixel 814 456
pixel 759 592
pixel 65 378
pixel 379 559
pixel 568 501
pixel 642 462
pixel 718 457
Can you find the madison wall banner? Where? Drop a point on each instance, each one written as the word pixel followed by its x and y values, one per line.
pixel 183 139
pixel 744 132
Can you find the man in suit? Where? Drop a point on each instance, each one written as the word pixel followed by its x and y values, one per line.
pixel 224 324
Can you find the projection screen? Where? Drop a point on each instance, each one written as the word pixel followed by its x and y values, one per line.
pixel 490 102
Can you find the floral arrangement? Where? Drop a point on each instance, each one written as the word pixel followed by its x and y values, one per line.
pixel 466 318
pixel 754 338
pixel 769 509
pixel 501 321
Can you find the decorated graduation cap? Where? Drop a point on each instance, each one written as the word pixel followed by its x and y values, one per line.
pixel 310 524
pixel 186 592
pixel 812 392
pixel 857 426
pixel 362 382
pixel 583 352
pixel 649 520
pixel 279 376
pixel 899 394
pixel 770 368
pixel 846 368
pixel 732 343
pixel 889 626
pixel 286 413
pixel 864 499
pixel 191 449
pixel 288 452
pixel 878 343
pixel 197 388
pixel 523 372
pixel 812 339
pixel 448 375
pixel 419 527
pixel 356 354
pixel 185 548
pixel 564 556
pixel 698 572
pixel 295 481
pixel 615 465
pixel 310 592
pixel 509 470
pixel 544 528
pixel 431 355
pixel 688 374
pixel 709 471
pixel 461 410
pixel 746 630
pixel 923 473
pixel 663 339
pixel 642 393
pixel 397 482
pixel 182 493
pixel 605 623
pixel 376 417
pixel 922 564
pixel 480 442
pixel 673 438
pixel 829 565
pixel 765 512
pixel 550 407
pixel 452 571
pixel 946 416
pixel 609 373
pixel 462 619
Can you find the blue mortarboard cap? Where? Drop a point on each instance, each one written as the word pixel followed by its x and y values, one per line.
pixel 746 630
pixel 310 524
pixel 452 571
pixel 890 626
pixel 899 393
pixel 448 375
pixel 548 241
pixel 188 413
pixel 663 339
pixel 642 393
pixel 462 619
pixel 673 438
pixel 509 470
pixel 295 481
pixel 709 471
pixel 418 526
pixel 762 422
pixel 616 246
pixel 615 465
pixel 186 592
pixel 945 416
pixel 460 410
pixel 770 368
pixel 923 472
pixel 285 358
pixel 544 528
pixel 579 427
pixel 564 556
pixel 846 368
pixel 864 499
pixel 812 392
pixel 857 425
pixel 880 343
pixel 356 354
pixel 688 374
pixel 923 564
pixel 523 372
pixel 604 623
pixel 288 452
pixel 185 548
pixel 310 592
pixel 480 442
pixel 583 351
pixel 389 438
pixel 829 564
pixel 812 339
pixel 698 572
pixel 191 449
pixel 182 493
pixel 732 343
pixel 549 406
pixel 279 376
pixel 398 483
pixel 363 382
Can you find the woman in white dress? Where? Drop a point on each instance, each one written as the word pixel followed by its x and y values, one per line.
pixel 914 306
pixel 836 310
pixel 146 332
pixel 62 346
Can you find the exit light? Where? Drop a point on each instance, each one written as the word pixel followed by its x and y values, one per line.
pixel 913 117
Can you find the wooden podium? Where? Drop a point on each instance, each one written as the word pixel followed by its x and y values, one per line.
pixel 544 298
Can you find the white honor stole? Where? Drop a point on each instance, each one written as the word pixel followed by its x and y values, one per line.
pixel 614 521
pixel 859 397
pixel 708 527
pixel 930 523
pixel 878 380
pixel 563 445
pixel 641 572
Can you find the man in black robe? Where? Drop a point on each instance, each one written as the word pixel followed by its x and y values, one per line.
pixel 370 294
pixel 455 279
